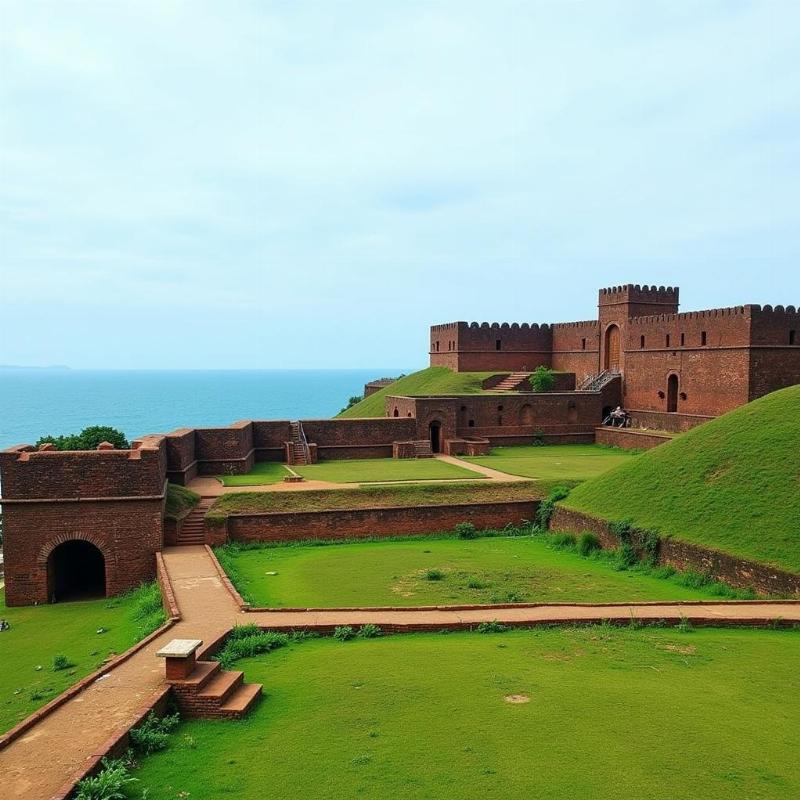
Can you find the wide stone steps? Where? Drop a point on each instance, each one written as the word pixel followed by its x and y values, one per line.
pixel 212 692
pixel 512 382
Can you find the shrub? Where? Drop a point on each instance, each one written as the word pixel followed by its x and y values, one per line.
pixel 650 543
pixel 246 645
pixel 538 438
pixel 685 625
pixel 466 530
pixel 60 662
pixel 343 633
pixel 588 544
pixel 626 556
pixel 434 575
pixel 546 508
pixel 108 784
pixel 87 439
pixel 369 631
pixel 153 734
pixel 542 379
pixel 351 401
pixel 623 530
pixel 492 627
pixel 474 583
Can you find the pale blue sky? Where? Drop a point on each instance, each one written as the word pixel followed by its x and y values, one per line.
pixel 311 184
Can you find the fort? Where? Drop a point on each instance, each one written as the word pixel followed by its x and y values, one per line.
pixel 93 521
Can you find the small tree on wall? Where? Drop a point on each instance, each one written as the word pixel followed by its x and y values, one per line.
pixel 542 379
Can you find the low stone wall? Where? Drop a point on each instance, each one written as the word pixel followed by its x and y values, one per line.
pixel 737 572
pixel 467 447
pixel 663 421
pixel 629 438
pixel 367 522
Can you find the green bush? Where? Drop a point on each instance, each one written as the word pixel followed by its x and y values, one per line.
pixel 588 544
pixel 542 379
pixel 246 644
pixel 153 734
pixel 343 633
pixel 108 784
pixel 87 439
pixel 627 556
pixel 434 575
pixel 466 530
pixel 369 631
pixel 563 541
pixel 492 627
pixel 60 662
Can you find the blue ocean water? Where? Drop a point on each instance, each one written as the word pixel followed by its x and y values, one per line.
pixel 34 403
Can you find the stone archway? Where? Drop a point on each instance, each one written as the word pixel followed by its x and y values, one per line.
pixel 76 570
pixel 435 432
pixel 612 348
pixel 672 393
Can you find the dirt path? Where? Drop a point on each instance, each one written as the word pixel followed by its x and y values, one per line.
pixel 36 765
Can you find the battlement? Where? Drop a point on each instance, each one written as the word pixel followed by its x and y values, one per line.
pixel 636 293
pixel 586 323
pixel 712 313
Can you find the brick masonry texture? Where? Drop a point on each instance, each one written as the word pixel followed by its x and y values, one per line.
pixel 362 523
pixel 737 572
pixel 629 439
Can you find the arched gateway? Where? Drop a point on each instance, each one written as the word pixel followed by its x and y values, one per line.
pixel 76 570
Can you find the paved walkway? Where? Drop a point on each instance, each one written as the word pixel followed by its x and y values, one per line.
pixel 37 764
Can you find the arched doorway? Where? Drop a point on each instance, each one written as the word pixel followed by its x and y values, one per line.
pixel 435 429
pixel 672 393
pixel 76 570
pixel 612 349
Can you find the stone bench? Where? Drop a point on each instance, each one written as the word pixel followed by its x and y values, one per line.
pixel 180 655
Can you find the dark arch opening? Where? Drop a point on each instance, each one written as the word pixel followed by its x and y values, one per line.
pixel 396 412
pixel 612 359
pixel 76 570
pixel 435 429
pixel 672 393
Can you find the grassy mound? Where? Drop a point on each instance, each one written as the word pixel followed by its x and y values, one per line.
pixel 433 380
pixel 179 500
pixel 732 485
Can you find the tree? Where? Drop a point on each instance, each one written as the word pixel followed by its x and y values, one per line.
pixel 88 439
pixel 542 379
pixel 356 398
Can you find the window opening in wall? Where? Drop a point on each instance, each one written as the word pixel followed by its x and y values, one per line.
pixel 683 339
pixel 703 338
pixel 641 342
pixel 583 344
pixel 497 344
pixel 792 337
pixel 471 423
pixel 667 340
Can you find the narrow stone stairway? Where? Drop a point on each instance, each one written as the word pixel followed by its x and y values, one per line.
pixel 192 531
pixel 422 449
pixel 211 691
pixel 300 454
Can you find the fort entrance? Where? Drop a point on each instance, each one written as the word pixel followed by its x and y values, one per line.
pixel 436 436
pixel 76 570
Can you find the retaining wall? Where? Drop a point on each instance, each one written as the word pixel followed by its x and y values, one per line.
pixel 629 438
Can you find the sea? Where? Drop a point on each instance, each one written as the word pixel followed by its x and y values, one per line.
pixel 40 402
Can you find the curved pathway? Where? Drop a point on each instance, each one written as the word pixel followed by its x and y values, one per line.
pixel 39 764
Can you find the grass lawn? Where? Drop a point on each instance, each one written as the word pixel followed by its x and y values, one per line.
pixel 430 381
pixel 38 633
pixel 613 714
pixel 385 469
pixel 264 472
pixel 404 494
pixel 488 570
pixel 179 501
pixel 569 462
pixel 732 484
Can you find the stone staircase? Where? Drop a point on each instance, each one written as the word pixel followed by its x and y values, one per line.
pixel 300 452
pixel 192 531
pixel 211 692
pixel 594 383
pixel 513 383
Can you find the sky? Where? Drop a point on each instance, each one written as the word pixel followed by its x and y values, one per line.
pixel 312 184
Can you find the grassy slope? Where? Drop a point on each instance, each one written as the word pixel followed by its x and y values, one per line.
pixel 732 484
pixel 568 462
pixel 375 497
pixel 613 715
pixel 385 469
pixel 433 380
pixel 179 500
pixel 38 633
pixel 394 573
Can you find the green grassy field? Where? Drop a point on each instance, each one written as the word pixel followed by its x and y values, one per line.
pixel 39 633
pixel 612 714
pixel 732 484
pixel 403 494
pixel 568 462
pixel 263 473
pixel 490 570
pixel 430 381
pixel 179 500
pixel 385 469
